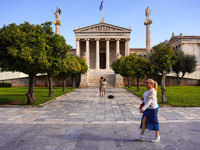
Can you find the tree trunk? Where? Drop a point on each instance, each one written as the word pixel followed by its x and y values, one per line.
pixel 73 81
pixel 133 81
pixel 50 85
pixel 138 84
pixel 129 82
pixel 30 94
pixel 163 88
pixel 182 77
pixel 178 79
pixel 64 84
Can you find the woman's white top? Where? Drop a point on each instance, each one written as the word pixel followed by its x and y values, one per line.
pixel 150 99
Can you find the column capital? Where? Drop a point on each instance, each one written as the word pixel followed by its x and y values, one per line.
pixel 117 39
pixel 97 39
pixel 87 39
pixel 107 39
pixel 127 39
pixel 77 39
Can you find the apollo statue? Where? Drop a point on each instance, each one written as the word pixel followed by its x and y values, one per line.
pixel 147 13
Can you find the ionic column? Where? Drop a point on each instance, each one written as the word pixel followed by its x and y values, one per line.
pixel 97 54
pixel 117 47
pixel 88 51
pixel 78 47
pixel 107 53
pixel 127 47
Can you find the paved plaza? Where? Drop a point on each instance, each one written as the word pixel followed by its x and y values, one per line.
pixel 86 121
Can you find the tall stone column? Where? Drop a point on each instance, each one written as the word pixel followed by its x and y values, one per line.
pixel 78 47
pixel 117 47
pixel 147 23
pixel 97 54
pixel 88 52
pixel 107 54
pixel 127 47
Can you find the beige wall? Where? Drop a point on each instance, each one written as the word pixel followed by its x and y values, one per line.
pixel 11 75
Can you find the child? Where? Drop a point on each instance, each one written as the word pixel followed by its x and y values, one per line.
pixel 103 87
pixel 101 80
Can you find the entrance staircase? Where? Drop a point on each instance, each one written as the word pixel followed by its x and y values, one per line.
pixel 94 78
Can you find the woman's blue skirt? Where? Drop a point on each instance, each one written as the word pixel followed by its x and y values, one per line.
pixel 152 119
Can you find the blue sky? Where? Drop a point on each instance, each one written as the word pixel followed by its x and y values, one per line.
pixel 178 16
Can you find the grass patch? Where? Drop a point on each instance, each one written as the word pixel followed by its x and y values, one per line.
pixel 14 94
pixel 179 96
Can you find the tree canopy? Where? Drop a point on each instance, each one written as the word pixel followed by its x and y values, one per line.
pixel 185 64
pixel 164 57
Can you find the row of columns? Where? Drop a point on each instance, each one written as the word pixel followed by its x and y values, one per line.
pixel 98 50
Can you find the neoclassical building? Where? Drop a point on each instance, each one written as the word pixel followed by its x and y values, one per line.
pixel 100 45
pixel 189 45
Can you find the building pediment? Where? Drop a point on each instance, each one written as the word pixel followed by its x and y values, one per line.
pixel 102 27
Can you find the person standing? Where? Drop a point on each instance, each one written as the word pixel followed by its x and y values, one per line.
pixel 104 86
pixel 150 111
pixel 101 80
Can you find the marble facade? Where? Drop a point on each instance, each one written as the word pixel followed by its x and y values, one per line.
pixel 101 44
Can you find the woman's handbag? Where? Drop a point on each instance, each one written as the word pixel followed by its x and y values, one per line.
pixel 141 105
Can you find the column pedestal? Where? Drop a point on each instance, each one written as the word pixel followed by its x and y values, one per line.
pixel 84 80
pixel 119 81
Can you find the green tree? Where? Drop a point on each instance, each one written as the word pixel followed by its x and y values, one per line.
pixel 24 48
pixel 185 64
pixel 138 65
pixel 122 66
pixel 72 66
pixel 58 50
pixel 151 70
pixel 164 57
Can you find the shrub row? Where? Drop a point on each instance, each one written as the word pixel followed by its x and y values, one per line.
pixel 5 85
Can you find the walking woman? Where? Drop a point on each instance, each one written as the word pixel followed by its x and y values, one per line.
pixel 150 111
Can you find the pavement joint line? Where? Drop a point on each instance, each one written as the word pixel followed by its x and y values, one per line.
pixel 98 122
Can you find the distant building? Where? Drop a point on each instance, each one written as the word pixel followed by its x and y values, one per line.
pixel 188 45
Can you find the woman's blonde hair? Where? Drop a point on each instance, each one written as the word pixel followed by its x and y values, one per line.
pixel 154 83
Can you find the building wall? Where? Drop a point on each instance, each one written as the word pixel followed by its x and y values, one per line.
pixel 122 48
pixel 92 54
pixel 40 81
pixel 170 81
pixel 82 48
pixel 112 52
pixel 11 75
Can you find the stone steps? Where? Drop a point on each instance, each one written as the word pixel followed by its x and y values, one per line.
pixel 95 77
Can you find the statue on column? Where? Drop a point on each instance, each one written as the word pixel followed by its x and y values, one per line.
pixel 57 16
pixel 148 20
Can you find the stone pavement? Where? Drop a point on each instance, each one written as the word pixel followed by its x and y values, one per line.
pixel 84 120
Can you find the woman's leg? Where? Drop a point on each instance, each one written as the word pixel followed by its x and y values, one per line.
pixel 144 125
pixel 157 133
